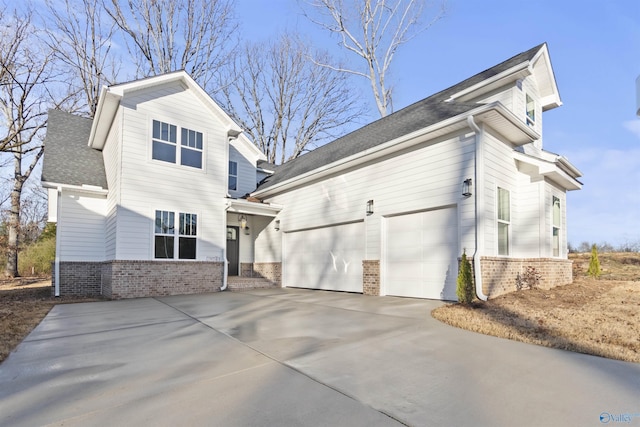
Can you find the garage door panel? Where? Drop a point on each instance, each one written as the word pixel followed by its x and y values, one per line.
pixel 423 262
pixel 325 258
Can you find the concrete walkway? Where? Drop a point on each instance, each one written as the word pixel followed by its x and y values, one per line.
pixel 296 357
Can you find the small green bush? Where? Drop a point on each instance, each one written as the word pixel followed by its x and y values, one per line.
pixel 464 290
pixel 36 259
pixel 594 264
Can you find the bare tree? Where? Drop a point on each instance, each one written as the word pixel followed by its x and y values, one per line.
pixel 284 102
pixel 25 73
pixel 80 34
pixel 168 35
pixel 372 30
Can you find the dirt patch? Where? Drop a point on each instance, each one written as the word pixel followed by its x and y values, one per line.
pixel 24 302
pixel 599 317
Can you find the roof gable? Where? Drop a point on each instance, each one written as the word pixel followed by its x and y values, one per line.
pixel 443 105
pixel 111 97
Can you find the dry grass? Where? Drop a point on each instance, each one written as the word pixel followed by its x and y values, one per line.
pixel 23 304
pixel 599 317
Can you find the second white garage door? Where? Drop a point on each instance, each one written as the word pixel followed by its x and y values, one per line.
pixel 421 253
pixel 325 258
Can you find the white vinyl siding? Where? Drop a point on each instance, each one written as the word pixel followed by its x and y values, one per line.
pixel 112 161
pixel 81 227
pixel 246 173
pixel 427 177
pixel 148 184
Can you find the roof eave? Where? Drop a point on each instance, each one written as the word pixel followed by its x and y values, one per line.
pixel 512 74
pixel 438 129
pixel 105 113
pixel 91 189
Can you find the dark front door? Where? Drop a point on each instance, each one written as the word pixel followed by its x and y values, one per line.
pixel 233 249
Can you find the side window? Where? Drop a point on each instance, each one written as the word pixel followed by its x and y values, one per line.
pixel 164 142
pixel 233 175
pixel 555 238
pixel 531 111
pixel 504 220
pixel 165 241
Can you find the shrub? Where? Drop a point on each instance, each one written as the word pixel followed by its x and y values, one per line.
pixel 464 290
pixel 594 264
pixel 529 279
pixel 36 258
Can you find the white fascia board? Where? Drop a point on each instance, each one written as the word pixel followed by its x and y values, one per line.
pixel 552 100
pixel 108 104
pixel 246 141
pixel 514 73
pixel 88 189
pixel 253 208
pixel 381 150
pixel 552 170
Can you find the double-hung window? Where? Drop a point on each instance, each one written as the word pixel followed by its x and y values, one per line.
pixel 233 175
pixel 555 237
pixel 165 145
pixel 504 220
pixel 167 236
pixel 164 141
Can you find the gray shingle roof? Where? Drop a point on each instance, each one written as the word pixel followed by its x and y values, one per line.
pixel 67 157
pixel 417 116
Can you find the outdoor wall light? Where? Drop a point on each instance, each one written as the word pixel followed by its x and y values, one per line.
pixel 370 207
pixel 277 225
pixel 242 219
pixel 466 187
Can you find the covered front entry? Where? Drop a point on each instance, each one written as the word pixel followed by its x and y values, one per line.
pixel 421 253
pixel 325 258
pixel 233 250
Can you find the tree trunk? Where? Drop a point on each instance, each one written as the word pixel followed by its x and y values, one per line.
pixel 14 218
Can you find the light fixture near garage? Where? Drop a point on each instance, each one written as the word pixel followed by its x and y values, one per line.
pixel 276 225
pixel 466 187
pixel 370 207
pixel 242 219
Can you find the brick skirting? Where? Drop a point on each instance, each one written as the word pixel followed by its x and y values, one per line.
pixel 272 271
pixel 79 278
pixel 133 279
pixel 371 277
pixel 499 275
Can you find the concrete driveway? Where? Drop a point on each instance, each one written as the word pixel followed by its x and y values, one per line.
pixel 297 357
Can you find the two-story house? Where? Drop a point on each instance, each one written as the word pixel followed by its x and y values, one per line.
pixel 149 197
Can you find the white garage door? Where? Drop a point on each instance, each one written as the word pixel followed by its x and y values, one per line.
pixel 325 258
pixel 421 254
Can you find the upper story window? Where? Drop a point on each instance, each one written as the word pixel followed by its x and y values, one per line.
pixel 165 235
pixel 531 111
pixel 164 142
pixel 555 234
pixel 165 146
pixel 233 175
pixel 504 220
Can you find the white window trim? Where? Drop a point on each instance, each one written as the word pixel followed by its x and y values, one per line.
pixel 558 227
pixel 529 120
pixel 500 221
pixel 176 234
pixel 179 127
pixel 229 175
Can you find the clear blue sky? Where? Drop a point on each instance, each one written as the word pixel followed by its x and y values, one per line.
pixel 595 53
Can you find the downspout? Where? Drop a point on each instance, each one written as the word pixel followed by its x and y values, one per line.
pixel 477 270
pixel 56 262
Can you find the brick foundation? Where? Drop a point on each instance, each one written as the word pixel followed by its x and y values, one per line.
pixel 79 278
pixel 371 277
pixel 499 275
pixel 246 269
pixel 133 279
pixel 272 271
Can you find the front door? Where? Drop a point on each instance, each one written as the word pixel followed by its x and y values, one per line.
pixel 233 250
